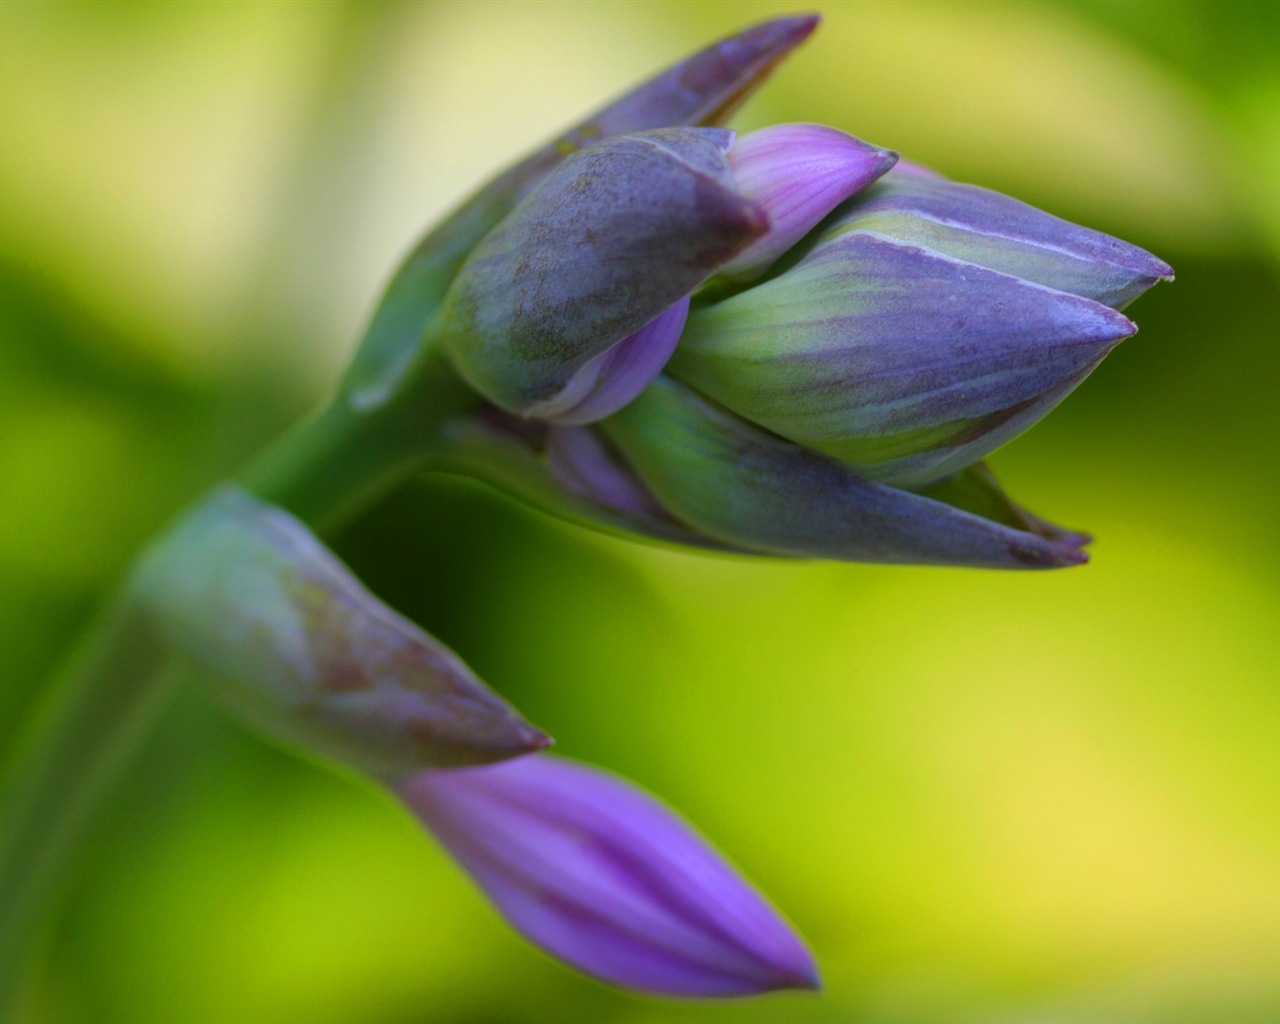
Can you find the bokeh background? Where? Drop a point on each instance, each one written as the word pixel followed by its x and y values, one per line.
pixel 983 797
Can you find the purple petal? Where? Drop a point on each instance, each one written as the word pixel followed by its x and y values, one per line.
pixel 581 463
pixel 293 641
pixel 798 173
pixel 604 877
pixel 613 379
pixel 707 87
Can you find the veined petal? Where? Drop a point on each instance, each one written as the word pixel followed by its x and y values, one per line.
pixel 616 236
pixel 289 637
pixel 979 226
pixel 798 173
pixel 742 485
pixel 604 877
pixel 904 364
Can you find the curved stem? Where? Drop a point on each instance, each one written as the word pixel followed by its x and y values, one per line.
pixel 76 749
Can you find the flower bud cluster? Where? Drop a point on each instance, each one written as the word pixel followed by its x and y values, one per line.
pixel 782 344
pixel 787 343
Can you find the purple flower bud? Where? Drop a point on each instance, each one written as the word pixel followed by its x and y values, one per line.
pixel 903 363
pixel 604 877
pixel 798 173
pixel 612 239
pixel 749 488
pixel 291 639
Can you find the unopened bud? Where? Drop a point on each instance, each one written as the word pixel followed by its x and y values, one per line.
pixel 604 877
pixel 285 632
pixel 610 241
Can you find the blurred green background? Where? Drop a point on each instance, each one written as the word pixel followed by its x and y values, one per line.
pixel 983 797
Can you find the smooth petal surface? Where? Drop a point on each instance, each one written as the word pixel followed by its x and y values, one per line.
pixel 979 226
pixel 902 363
pixel 701 90
pixel 741 485
pixel 604 877
pixel 294 641
pixel 613 379
pixel 798 173
pixel 619 234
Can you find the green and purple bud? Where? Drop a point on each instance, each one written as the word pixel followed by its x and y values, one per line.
pixel 605 878
pixel 246 594
pixel 860 334
pixel 553 314
pixel 903 363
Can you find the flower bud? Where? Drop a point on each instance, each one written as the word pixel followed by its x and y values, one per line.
pixel 747 488
pixel 904 363
pixel 798 173
pixel 604 877
pixel 260 607
pixel 608 243
pixel 703 89
pixel 976 225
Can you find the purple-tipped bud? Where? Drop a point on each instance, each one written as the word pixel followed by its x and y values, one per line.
pixel 614 238
pixel 260 607
pixel 750 489
pixel 798 173
pixel 604 877
pixel 976 225
pixel 905 364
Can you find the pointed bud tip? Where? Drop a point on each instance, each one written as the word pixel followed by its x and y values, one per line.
pixel 789 31
pixel 1052 555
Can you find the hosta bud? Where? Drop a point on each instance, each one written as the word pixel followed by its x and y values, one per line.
pixel 748 488
pixel 978 226
pixel 604 877
pixel 903 362
pixel 607 244
pixel 286 634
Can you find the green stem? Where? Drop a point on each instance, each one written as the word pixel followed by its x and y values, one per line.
pixel 324 471
pixel 330 468
pixel 75 751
